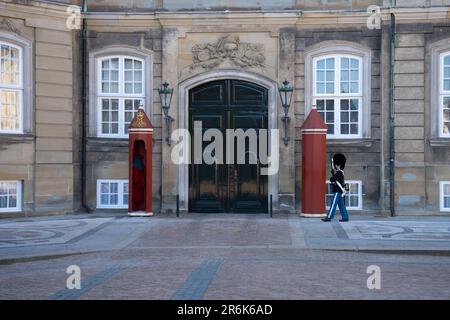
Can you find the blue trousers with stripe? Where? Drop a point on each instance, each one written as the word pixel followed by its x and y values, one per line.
pixel 338 201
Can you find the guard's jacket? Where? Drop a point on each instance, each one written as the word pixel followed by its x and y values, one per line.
pixel 338 177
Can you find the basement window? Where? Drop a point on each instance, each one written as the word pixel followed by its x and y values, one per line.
pixel 112 194
pixel 353 198
pixel 444 187
pixel 10 196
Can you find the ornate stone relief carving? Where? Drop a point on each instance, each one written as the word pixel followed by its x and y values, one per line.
pixel 8 25
pixel 228 48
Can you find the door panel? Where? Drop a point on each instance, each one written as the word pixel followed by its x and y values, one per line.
pixel 228 104
pixel 247 94
pixel 209 94
pixel 249 185
pixel 206 181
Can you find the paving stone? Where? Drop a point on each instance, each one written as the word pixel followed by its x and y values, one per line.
pixel 228 257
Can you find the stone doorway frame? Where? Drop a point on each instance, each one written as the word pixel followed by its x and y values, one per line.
pixel 183 121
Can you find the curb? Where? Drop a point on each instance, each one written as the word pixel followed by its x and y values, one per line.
pixel 430 252
pixel 8 261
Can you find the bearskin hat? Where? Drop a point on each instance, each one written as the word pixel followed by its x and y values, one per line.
pixel 339 159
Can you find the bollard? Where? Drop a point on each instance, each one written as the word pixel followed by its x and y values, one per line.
pixel 178 205
pixel 271 206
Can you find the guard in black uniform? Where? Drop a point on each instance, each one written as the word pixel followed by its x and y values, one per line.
pixel 338 187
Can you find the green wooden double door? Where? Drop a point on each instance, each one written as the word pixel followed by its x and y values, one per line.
pixel 234 188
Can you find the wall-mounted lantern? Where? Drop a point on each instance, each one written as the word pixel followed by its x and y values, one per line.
pixel 165 94
pixel 286 91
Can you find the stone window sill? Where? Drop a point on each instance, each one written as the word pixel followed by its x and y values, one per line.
pixel 439 142
pixel 364 142
pixel 106 144
pixel 100 141
pixel 16 137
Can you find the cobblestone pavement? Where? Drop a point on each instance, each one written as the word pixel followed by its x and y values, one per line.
pixel 226 257
pixel 28 233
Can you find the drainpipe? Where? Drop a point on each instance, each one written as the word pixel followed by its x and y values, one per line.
pixel 391 115
pixel 84 108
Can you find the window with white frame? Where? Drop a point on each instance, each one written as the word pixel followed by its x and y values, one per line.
pixel 10 196
pixel 444 191
pixel 11 88
pixel 112 194
pixel 353 198
pixel 444 94
pixel 120 91
pixel 337 94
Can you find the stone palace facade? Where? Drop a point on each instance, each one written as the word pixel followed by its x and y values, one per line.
pixel 71 83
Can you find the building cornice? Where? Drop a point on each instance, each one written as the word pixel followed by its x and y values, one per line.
pixel 184 19
pixel 278 18
pixel 403 15
pixel 37 14
pixel 46 8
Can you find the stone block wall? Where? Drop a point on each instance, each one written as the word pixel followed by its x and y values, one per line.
pixel 421 157
pixel 409 132
pixel 42 157
pixel 363 155
pixel 107 158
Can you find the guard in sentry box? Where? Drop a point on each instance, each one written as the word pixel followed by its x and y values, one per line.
pixel 339 188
